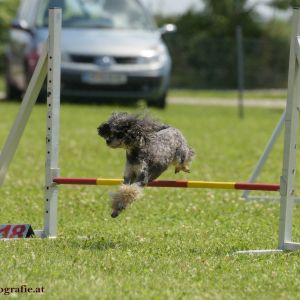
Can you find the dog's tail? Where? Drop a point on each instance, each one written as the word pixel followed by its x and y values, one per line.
pixel 191 154
pixel 126 194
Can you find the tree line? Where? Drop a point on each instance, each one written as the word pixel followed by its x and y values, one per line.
pixel 8 10
pixel 204 48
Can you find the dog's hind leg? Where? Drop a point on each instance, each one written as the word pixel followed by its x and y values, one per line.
pixel 187 161
pixel 182 161
pixel 184 168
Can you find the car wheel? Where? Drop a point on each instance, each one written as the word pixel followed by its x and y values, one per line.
pixel 160 102
pixel 12 92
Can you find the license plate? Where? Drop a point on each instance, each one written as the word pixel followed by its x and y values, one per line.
pixel 104 78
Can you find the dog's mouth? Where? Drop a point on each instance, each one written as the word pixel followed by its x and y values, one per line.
pixel 113 144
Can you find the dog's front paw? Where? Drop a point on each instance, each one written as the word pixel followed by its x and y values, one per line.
pixel 115 213
pixel 117 204
pixel 123 197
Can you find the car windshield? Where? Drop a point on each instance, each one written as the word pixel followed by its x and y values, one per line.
pixel 110 14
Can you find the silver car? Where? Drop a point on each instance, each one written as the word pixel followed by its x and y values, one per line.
pixel 111 49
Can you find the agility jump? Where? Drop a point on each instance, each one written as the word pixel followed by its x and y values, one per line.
pixel 49 66
pixel 174 184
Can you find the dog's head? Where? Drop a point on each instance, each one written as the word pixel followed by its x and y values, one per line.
pixel 120 131
pixel 124 130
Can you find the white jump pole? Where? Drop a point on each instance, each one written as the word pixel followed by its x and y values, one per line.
pixel 52 130
pixel 48 64
pixel 287 180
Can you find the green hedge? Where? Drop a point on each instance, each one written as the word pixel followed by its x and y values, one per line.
pixel 212 62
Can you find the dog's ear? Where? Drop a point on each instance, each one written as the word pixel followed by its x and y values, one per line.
pixel 104 130
pixel 134 132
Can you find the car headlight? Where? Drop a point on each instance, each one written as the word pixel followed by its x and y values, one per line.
pixel 153 55
pixel 148 59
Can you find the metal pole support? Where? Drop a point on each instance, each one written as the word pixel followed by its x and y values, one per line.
pixel 287 182
pixel 22 118
pixel 52 130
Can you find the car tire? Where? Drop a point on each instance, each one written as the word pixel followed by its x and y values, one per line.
pixel 12 92
pixel 160 102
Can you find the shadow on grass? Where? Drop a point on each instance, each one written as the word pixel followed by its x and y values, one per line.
pixel 96 244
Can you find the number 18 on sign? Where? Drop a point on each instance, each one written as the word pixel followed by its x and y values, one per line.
pixel 15 231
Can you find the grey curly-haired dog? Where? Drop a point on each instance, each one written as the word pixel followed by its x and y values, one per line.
pixel 151 147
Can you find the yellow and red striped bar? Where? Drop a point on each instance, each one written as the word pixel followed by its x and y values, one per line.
pixel 174 183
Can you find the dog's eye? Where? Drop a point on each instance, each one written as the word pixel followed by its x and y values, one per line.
pixel 119 135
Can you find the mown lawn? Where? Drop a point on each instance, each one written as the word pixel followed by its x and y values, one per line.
pixel 173 244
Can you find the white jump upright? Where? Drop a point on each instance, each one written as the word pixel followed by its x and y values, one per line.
pixel 48 65
pixel 291 121
pixel 287 181
pixel 52 130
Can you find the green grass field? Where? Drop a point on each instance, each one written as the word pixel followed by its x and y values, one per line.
pixel 174 243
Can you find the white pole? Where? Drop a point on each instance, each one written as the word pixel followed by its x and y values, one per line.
pixel 287 182
pixel 52 130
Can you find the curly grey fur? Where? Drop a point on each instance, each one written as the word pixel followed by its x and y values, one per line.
pixel 151 147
